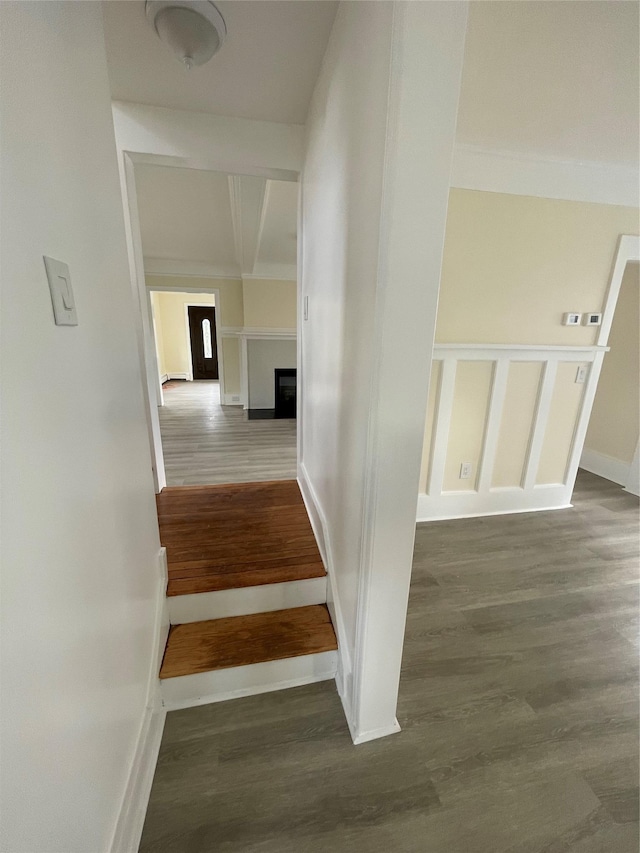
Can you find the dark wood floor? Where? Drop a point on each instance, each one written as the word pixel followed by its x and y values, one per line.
pixel 518 702
pixel 242 640
pixel 236 535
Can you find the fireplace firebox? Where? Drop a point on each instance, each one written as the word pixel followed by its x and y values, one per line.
pixel 285 396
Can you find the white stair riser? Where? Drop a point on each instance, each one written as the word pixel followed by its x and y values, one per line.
pixel 247 600
pixel 222 684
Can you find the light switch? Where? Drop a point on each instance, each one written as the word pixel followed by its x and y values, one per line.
pixel 64 306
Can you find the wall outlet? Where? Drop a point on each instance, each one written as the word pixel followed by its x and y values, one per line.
pixel 581 374
pixel 465 470
pixel 572 319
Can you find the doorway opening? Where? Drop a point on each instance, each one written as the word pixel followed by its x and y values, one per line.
pixel 220 279
pixel 612 443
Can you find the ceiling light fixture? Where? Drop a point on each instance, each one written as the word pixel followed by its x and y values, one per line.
pixel 193 29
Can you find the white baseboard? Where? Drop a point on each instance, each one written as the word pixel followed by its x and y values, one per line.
pixel 231 400
pixel 178 376
pixel 164 378
pixel 344 672
pixel 130 822
pixel 502 501
pixel 242 602
pixel 128 830
pixel 364 737
pixel 203 688
pixel 605 466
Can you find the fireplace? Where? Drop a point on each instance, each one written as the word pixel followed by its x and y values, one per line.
pixel 285 392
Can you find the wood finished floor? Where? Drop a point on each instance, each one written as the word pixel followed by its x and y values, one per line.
pixel 204 442
pixel 518 703
pixel 242 640
pixel 236 535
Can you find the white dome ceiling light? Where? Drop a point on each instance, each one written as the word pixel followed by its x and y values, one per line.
pixel 193 29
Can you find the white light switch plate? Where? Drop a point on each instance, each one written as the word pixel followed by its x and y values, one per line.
pixel 64 306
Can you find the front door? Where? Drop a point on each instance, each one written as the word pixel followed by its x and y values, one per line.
pixel 202 331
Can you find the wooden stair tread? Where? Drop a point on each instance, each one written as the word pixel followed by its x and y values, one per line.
pixel 236 535
pixel 241 640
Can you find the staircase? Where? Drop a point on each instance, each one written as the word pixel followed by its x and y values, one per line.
pixel 246 593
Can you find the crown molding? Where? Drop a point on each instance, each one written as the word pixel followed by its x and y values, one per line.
pixel 493 170
pixel 278 272
pixel 197 269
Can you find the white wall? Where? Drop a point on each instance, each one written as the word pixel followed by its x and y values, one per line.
pixel 374 197
pixel 263 357
pixel 79 532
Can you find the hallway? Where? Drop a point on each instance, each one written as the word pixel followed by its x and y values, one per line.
pixel 206 443
pixel 518 706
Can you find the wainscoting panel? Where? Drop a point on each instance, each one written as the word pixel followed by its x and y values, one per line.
pixel 527 413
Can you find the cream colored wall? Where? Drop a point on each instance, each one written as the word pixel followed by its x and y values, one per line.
pixel 230 314
pixel 269 303
pixel 231 360
pixel 614 424
pixel 174 335
pixel 157 329
pixel 230 293
pixel 515 426
pixel 512 266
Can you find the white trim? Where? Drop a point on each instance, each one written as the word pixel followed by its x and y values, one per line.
pixel 128 831
pixel 628 249
pixel 442 422
pixel 503 501
pixel 257 333
pixel 262 220
pixel 146 343
pixel 633 480
pixel 344 673
pixel 384 731
pixel 185 269
pixel 540 418
pixel 180 138
pixel 494 421
pixel 492 170
pixel 243 601
pixel 130 821
pixel 268 332
pixel 186 376
pixel 528 496
pixel 605 466
pixel 219 685
pixel 164 378
pixel 516 352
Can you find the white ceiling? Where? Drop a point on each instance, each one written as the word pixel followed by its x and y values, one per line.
pixel 265 70
pixel 228 225
pixel 557 79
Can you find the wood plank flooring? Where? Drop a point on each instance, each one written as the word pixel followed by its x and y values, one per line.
pixel 242 640
pixel 518 703
pixel 236 535
pixel 204 442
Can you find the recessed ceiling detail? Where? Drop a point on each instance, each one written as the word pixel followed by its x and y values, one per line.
pixel 211 223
